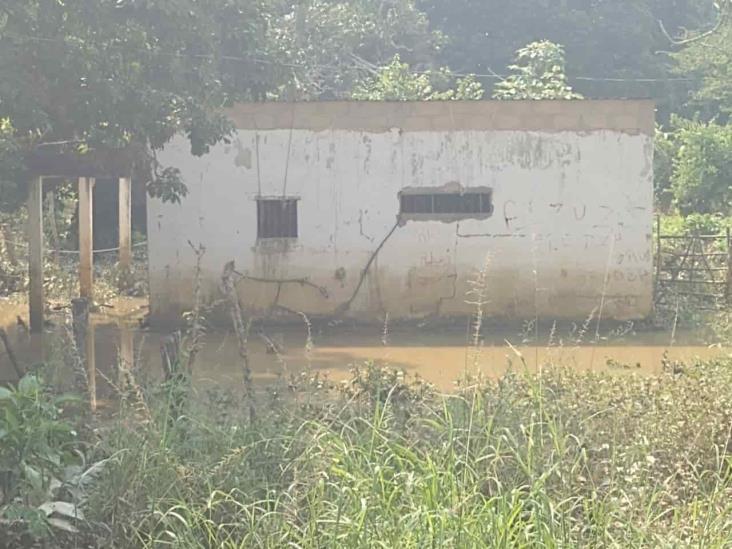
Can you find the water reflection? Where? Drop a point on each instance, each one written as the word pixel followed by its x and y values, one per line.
pixel 439 357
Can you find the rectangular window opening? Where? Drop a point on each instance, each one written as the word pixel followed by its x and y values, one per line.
pixel 276 218
pixel 428 204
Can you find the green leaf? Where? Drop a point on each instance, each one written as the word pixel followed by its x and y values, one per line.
pixel 29 384
pixel 33 476
pixel 62 524
pixel 62 508
pixel 538 74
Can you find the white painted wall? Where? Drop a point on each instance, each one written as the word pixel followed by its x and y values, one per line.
pixel 570 232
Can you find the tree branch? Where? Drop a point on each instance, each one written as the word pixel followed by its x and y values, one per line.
pixel 724 12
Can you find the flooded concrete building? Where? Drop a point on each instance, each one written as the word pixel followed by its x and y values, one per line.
pixel 363 209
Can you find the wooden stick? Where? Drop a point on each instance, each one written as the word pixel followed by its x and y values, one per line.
pixel 11 355
pixel 125 224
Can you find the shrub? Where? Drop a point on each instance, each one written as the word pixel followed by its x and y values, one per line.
pixel 702 168
pixel 36 444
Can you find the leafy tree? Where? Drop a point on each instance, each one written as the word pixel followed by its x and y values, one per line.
pixel 116 73
pixel 702 168
pixel 396 82
pixel 328 45
pixel 537 74
pixel 603 39
pixel 709 58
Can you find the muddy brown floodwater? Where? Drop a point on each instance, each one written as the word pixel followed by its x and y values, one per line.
pixel 440 357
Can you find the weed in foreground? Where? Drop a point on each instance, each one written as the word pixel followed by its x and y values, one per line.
pixel 566 460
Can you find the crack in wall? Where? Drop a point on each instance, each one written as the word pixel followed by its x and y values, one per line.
pixel 453 276
pixel 442 299
pixel 360 227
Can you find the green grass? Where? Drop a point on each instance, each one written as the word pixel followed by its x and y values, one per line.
pixel 558 460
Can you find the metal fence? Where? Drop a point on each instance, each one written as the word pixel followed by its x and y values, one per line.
pixel 694 269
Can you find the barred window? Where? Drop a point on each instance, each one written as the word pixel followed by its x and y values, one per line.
pixel 276 218
pixel 460 204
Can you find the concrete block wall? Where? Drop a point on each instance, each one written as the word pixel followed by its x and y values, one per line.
pixel 570 231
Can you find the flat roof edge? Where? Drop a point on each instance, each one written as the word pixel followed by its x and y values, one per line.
pixel 621 115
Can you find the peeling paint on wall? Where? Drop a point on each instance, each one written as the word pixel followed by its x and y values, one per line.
pixel 244 158
pixel 571 220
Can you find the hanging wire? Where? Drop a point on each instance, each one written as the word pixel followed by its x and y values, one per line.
pixel 361 64
pixel 24 245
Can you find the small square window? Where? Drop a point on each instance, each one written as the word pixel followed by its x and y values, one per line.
pixel 276 218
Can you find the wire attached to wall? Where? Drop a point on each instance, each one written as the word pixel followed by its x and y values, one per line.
pixel 343 307
pixel 289 149
pixel 256 152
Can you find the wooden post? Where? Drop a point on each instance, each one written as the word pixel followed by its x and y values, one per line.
pixel 35 253
pixel 83 331
pixel 86 240
pixel 125 222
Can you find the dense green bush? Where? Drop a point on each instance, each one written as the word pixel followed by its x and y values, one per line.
pixel 695 223
pixel 538 73
pixel 702 168
pixel 36 444
pixel 397 82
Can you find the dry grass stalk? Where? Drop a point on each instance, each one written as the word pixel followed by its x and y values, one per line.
pixel 241 329
pixel 477 297
pixel 195 341
pixel 309 344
